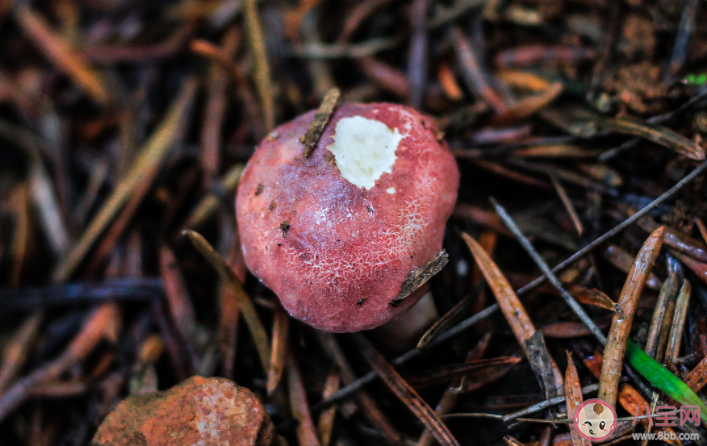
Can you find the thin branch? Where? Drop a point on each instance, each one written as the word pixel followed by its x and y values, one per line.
pixel 573 304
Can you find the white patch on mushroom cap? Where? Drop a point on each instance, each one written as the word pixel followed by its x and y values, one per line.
pixel 364 149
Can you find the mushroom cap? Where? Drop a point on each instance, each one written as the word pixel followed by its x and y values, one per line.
pixel 335 235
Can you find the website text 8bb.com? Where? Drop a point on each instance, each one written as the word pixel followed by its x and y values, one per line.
pixel 665 436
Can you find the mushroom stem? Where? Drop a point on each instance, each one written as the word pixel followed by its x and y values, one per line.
pixel 403 332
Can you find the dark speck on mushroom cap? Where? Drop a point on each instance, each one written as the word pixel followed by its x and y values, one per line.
pixel 346 243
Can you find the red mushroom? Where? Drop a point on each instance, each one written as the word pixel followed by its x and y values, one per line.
pixel 336 234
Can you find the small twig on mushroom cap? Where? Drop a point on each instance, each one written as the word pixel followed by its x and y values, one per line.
pixel 321 119
pixel 420 276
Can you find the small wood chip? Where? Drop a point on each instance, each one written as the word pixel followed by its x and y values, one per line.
pixel 321 119
pixel 420 276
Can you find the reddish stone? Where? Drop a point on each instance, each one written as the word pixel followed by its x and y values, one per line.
pixel 199 411
pixel 334 253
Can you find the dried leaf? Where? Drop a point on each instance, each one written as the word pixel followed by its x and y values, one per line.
pixel 503 171
pixel 229 314
pixel 59 52
pixel 697 378
pixel 385 76
pixel 17 348
pixel 336 51
pixel 656 133
pixel 293 19
pixel 667 294
pixel 678 324
pixel 517 318
pixel 325 425
pixel 473 74
pixel 445 321
pixel 177 293
pixel 216 104
pixel 444 374
pixel 47 205
pixel 261 70
pixel 556 151
pixel 527 106
pixel 306 432
pixel 18 202
pixel 510 441
pixel 596 298
pixel 449 83
pixel 510 305
pixel 603 173
pixel 280 334
pixel 621 324
pixel 543 365
pixel 103 323
pixel 369 406
pixel 525 55
pixel 567 203
pixel 561 330
pixel 150 158
pixel 451 394
pixel 407 394
pixel 208 205
pixel 677 240
pixel 563 174
pixel 574 398
pixel 482 377
pixel 255 326
pixel 523 79
pixel 624 261
pixel 703 229
pixel 699 268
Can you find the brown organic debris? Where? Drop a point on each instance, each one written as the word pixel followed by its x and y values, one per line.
pixel 621 324
pixel 321 118
pixel 206 411
pixel 421 275
pixel 573 394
